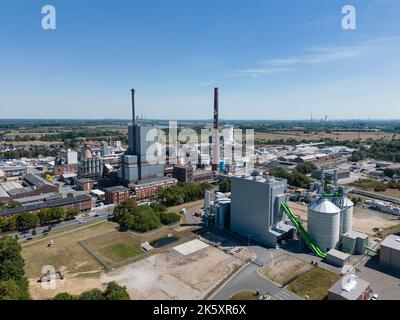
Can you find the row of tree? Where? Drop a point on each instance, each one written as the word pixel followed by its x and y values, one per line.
pixel 13 283
pixel 130 216
pixel 27 220
pixel 113 292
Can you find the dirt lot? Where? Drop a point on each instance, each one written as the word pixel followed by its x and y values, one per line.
pixel 323 135
pixel 284 269
pixel 164 276
pixel 80 269
pixel 364 220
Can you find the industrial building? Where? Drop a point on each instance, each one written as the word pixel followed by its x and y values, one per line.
pixel 82 203
pixel 331 174
pixel 389 255
pixel 350 288
pixel 354 242
pixel 31 185
pixel 187 173
pixel 117 194
pixel 149 188
pixel 337 258
pixel 256 208
pixel 135 165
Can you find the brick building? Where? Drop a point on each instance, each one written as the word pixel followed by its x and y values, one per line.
pixel 117 194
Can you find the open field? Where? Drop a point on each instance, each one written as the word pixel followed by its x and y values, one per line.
pixel 80 269
pixel 300 135
pixel 165 276
pixel 364 220
pixel 284 269
pixel 314 285
pixel 115 247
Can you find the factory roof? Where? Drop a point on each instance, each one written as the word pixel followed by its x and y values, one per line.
pixel 350 287
pixel 355 235
pixel 45 204
pixel 2 173
pixel 116 189
pixel 392 241
pixel 3 193
pixel 324 205
pixel 10 185
pixel 37 181
pixel 45 196
pixel 338 254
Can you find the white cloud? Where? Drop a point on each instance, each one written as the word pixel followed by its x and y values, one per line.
pixel 315 55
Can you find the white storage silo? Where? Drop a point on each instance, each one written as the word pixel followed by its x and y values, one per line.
pixel 346 223
pixel 324 223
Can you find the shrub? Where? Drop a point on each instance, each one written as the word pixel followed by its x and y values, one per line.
pixel 169 217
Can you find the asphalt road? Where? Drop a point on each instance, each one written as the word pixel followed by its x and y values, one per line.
pixel 97 215
pixel 248 279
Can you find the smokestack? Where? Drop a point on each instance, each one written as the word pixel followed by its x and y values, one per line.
pixel 133 106
pixel 216 151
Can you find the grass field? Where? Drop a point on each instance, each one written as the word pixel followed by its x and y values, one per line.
pixel 67 255
pixel 314 285
pixel 244 295
pixel 284 269
pixel 115 246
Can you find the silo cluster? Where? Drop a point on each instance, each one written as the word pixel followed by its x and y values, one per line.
pixel 328 220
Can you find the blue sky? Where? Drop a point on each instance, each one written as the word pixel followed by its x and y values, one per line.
pixel 272 59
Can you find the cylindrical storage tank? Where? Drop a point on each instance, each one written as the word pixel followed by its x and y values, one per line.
pixel 324 224
pixel 346 223
pixel 207 199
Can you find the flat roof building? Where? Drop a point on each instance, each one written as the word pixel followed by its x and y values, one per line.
pixel 350 287
pixel 389 255
pixel 256 208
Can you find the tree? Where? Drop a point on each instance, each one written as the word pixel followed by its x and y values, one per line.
pixel 72 212
pixel 27 221
pixel 94 294
pixel 13 284
pixel 169 217
pixel 225 186
pixel 116 292
pixel 9 290
pixel 64 296
pixel 306 167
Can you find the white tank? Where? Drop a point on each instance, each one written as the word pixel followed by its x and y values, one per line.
pixel 207 199
pixel 324 223
pixel 346 223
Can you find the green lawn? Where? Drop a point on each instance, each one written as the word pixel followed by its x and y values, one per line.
pixel 120 251
pixel 314 285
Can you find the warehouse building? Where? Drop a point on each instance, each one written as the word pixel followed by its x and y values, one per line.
pixel 82 203
pixel 255 208
pixel 389 255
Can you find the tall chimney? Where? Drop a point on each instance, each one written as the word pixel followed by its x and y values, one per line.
pixel 216 151
pixel 133 106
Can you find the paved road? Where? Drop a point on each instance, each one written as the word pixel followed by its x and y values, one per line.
pixel 249 279
pixel 97 215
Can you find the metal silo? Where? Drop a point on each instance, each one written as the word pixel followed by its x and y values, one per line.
pixel 324 223
pixel 346 223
